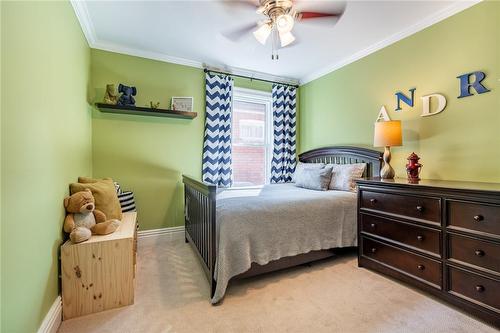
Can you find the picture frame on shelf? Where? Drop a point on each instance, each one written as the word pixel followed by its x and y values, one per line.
pixel 182 104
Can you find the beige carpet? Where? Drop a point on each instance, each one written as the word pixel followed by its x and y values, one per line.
pixel 331 296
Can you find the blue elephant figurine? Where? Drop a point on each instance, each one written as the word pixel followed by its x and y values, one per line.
pixel 126 98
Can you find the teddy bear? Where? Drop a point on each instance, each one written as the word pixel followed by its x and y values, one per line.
pixel 126 98
pixel 110 97
pixel 83 220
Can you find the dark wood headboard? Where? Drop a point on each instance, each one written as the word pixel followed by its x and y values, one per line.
pixel 346 155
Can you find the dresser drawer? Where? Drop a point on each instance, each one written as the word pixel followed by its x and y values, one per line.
pixel 474 216
pixel 475 287
pixel 423 208
pixel 412 264
pixel 475 252
pixel 419 237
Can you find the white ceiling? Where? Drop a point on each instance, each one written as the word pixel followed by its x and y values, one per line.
pixel 191 32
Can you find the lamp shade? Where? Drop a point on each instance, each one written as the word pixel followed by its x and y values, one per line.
pixel 286 38
pixel 262 33
pixel 387 134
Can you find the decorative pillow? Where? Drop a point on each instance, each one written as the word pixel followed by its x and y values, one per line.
pixel 302 166
pixel 106 199
pixel 314 179
pixel 343 176
pixel 87 180
pixel 127 201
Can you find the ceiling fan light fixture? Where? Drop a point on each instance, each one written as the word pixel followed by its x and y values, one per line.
pixel 286 38
pixel 284 23
pixel 262 33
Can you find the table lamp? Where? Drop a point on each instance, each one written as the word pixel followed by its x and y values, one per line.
pixel 387 135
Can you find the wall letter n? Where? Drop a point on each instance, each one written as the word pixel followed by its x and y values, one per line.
pixel 465 84
pixel 407 100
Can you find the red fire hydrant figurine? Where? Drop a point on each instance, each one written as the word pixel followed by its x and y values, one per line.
pixel 413 167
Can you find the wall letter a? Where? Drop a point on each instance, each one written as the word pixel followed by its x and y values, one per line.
pixel 407 100
pixel 465 84
pixel 382 115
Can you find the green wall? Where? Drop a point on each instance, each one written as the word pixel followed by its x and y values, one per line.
pixel 45 145
pixel 149 154
pixel 462 142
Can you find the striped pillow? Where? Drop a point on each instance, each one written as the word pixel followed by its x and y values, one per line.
pixel 118 188
pixel 127 201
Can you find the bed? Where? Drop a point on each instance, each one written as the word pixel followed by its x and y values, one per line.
pixel 244 232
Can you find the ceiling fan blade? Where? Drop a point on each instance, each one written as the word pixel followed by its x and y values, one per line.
pixel 251 4
pixel 238 33
pixel 315 15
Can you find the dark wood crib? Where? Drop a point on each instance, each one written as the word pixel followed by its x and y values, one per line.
pixel 200 211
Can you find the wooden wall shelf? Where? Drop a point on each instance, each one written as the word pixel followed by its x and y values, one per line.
pixel 143 111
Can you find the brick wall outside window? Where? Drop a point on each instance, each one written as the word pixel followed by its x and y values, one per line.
pixel 249 153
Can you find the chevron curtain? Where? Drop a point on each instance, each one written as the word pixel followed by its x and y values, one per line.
pixel 284 111
pixel 217 139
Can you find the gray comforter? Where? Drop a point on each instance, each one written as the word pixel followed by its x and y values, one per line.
pixel 264 224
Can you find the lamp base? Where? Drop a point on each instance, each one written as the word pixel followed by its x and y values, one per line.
pixel 387 171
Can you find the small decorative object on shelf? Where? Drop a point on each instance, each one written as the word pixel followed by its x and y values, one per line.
pixel 110 96
pixel 154 105
pixel 413 168
pixel 126 98
pixel 182 104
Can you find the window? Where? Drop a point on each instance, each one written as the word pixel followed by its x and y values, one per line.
pixel 252 130
pixel 251 137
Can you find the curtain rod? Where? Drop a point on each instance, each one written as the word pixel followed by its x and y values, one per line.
pixel 206 70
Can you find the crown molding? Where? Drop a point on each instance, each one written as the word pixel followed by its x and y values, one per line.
pixel 81 11
pixel 82 14
pixel 106 46
pixel 425 23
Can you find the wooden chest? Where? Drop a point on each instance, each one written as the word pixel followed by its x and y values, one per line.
pixel 441 236
pixel 99 274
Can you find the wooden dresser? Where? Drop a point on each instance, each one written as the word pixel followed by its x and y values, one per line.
pixel 98 274
pixel 440 236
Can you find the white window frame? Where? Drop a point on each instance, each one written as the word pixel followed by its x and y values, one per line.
pixel 260 97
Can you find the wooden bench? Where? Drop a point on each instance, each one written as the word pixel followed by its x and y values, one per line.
pixel 98 274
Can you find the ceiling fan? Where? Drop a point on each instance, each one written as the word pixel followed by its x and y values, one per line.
pixel 281 16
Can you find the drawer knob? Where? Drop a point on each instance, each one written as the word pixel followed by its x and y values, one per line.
pixel 373 225
pixel 478 218
pixel 420 208
pixel 420 238
pixel 479 253
pixel 479 288
pixel 373 250
pixel 421 267
pixel 373 201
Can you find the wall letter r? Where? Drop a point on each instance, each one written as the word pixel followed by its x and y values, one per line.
pixel 465 84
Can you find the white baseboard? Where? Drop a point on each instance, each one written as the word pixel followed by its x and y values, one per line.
pixel 53 319
pixel 173 232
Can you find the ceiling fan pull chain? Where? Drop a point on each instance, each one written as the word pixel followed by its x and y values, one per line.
pixel 275 41
pixel 272 43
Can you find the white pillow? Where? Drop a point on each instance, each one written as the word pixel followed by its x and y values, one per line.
pixel 314 179
pixel 301 166
pixel 343 176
